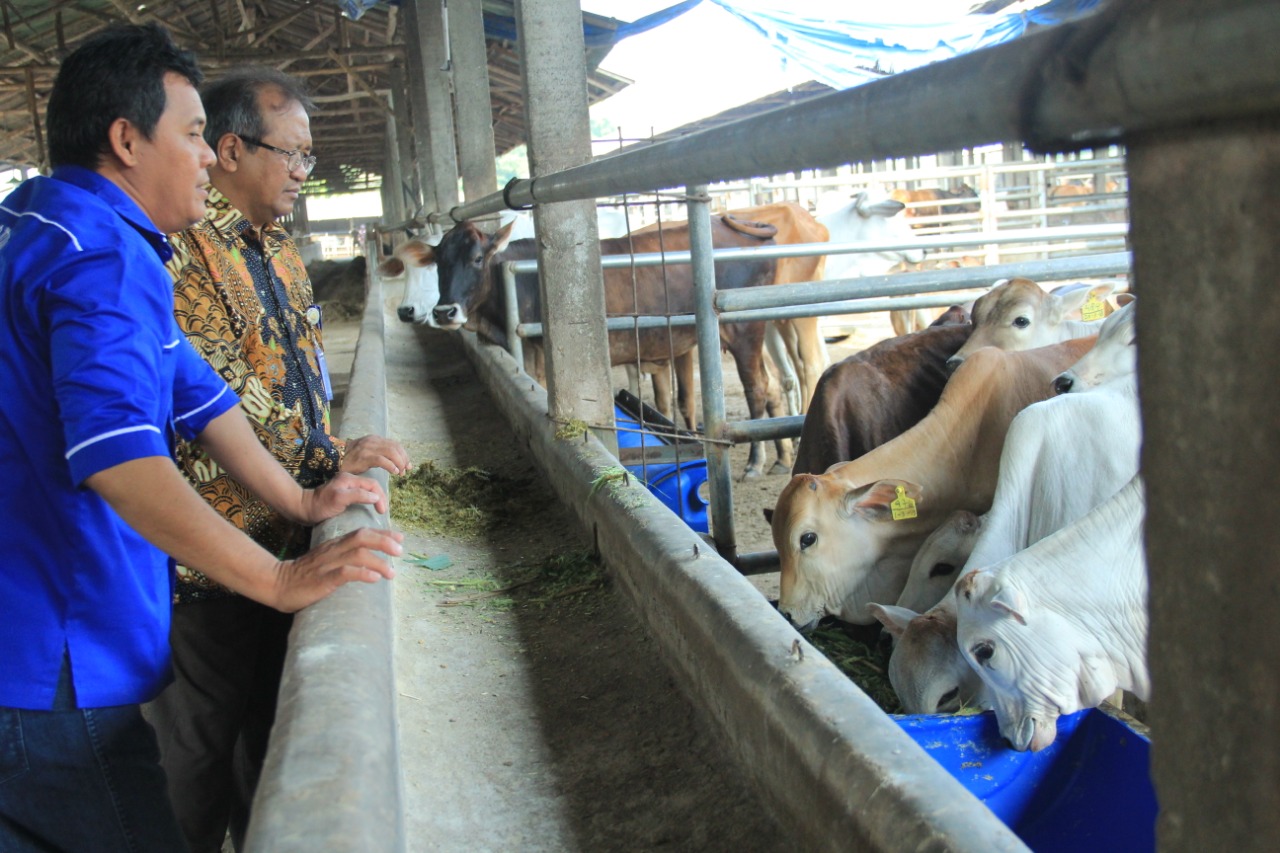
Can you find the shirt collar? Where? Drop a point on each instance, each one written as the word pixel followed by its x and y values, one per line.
pixel 119 201
pixel 231 224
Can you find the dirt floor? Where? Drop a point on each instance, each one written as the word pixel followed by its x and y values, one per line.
pixel 535 712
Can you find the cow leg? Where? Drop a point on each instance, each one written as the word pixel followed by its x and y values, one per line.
pixel 686 390
pixel 777 348
pixel 809 352
pixel 661 374
pixel 747 347
pixel 900 320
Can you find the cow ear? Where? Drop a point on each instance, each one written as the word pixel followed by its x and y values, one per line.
pixel 500 238
pixel 1103 290
pixel 971 585
pixel 768 514
pixel 1066 300
pixel 894 619
pixel 874 502
pixel 967 522
pixel 1010 600
pixel 1123 299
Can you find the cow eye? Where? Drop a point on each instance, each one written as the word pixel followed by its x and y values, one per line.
pixel 982 651
pixel 807 539
pixel 941 570
pixel 946 699
pixel 1021 322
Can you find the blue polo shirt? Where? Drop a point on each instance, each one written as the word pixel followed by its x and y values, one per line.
pixel 93 372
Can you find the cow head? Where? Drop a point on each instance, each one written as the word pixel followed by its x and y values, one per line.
pixel 937 564
pixel 1113 358
pixel 871 217
pixel 839 547
pixel 415 260
pixel 1017 314
pixel 462 260
pixel 926 668
pixel 1036 665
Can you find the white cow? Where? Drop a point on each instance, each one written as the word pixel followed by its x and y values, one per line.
pixel 871 217
pixel 1061 625
pixel 1017 314
pixel 1062 457
pixel 421 281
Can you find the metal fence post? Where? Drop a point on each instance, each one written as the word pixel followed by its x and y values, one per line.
pixel 719 475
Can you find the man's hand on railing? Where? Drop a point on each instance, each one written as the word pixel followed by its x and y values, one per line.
pixel 329 565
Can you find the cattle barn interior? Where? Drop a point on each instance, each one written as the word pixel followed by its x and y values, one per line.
pixel 1158 81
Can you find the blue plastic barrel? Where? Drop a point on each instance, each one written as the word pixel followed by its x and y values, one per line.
pixel 1088 790
pixel 678 487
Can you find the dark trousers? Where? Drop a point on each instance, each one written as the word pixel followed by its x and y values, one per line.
pixel 214 721
pixel 82 779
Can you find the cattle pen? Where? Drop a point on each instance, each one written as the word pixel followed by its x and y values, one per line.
pixel 1202 141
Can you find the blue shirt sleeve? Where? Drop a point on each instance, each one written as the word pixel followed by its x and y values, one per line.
pixel 118 361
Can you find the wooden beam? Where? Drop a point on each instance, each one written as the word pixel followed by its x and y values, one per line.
pixel 359 81
pixel 41 158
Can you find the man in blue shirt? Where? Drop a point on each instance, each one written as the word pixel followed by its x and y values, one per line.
pixel 98 381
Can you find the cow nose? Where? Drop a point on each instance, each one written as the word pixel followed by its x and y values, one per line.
pixel 953 362
pixel 445 314
pixel 405 313
pixel 1063 384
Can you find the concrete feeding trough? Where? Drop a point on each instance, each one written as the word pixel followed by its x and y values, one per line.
pixel 1088 790
pixel 669 461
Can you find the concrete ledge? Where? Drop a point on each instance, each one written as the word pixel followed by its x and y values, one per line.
pixel 842 773
pixel 332 777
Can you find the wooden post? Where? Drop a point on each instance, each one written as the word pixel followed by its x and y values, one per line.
pixel 1204 225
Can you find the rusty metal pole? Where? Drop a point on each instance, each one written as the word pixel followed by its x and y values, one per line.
pixel 553 64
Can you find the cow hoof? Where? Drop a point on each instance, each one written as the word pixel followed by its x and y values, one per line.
pixel 779 468
pixel 751 474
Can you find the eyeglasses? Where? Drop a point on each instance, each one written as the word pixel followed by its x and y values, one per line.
pixel 296 157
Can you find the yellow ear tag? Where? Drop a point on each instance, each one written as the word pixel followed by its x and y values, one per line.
pixel 1093 309
pixel 903 507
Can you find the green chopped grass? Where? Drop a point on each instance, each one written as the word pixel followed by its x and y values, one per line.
pixel 867 666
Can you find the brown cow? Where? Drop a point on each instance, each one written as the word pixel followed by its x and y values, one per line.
pixel 875 395
pixel 947 201
pixel 804 343
pixel 472 297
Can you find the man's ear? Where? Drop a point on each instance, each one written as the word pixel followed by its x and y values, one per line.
pixel 230 149
pixel 123 136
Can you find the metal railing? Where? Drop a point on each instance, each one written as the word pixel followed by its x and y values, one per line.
pixel 1126 70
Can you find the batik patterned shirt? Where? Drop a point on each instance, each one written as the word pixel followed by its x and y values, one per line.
pixel 243 299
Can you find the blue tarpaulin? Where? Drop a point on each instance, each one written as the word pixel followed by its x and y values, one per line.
pixel 840 42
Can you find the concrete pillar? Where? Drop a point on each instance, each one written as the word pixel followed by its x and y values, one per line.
pixel 553 65
pixel 394 208
pixel 1204 226
pixel 472 102
pixel 429 86
pixel 408 191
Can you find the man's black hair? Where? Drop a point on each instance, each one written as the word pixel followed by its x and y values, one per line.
pixel 118 73
pixel 231 102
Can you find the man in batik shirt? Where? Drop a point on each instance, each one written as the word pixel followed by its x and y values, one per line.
pixel 243 299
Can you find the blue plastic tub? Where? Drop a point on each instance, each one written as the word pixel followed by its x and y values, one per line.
pixel 1089 790
pixel 678 487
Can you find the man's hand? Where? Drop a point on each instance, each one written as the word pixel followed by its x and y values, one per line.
pixel 325 502
pixel 326 567
pixel 374 451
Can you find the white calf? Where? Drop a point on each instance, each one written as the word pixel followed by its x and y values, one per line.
pixel 1062 625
